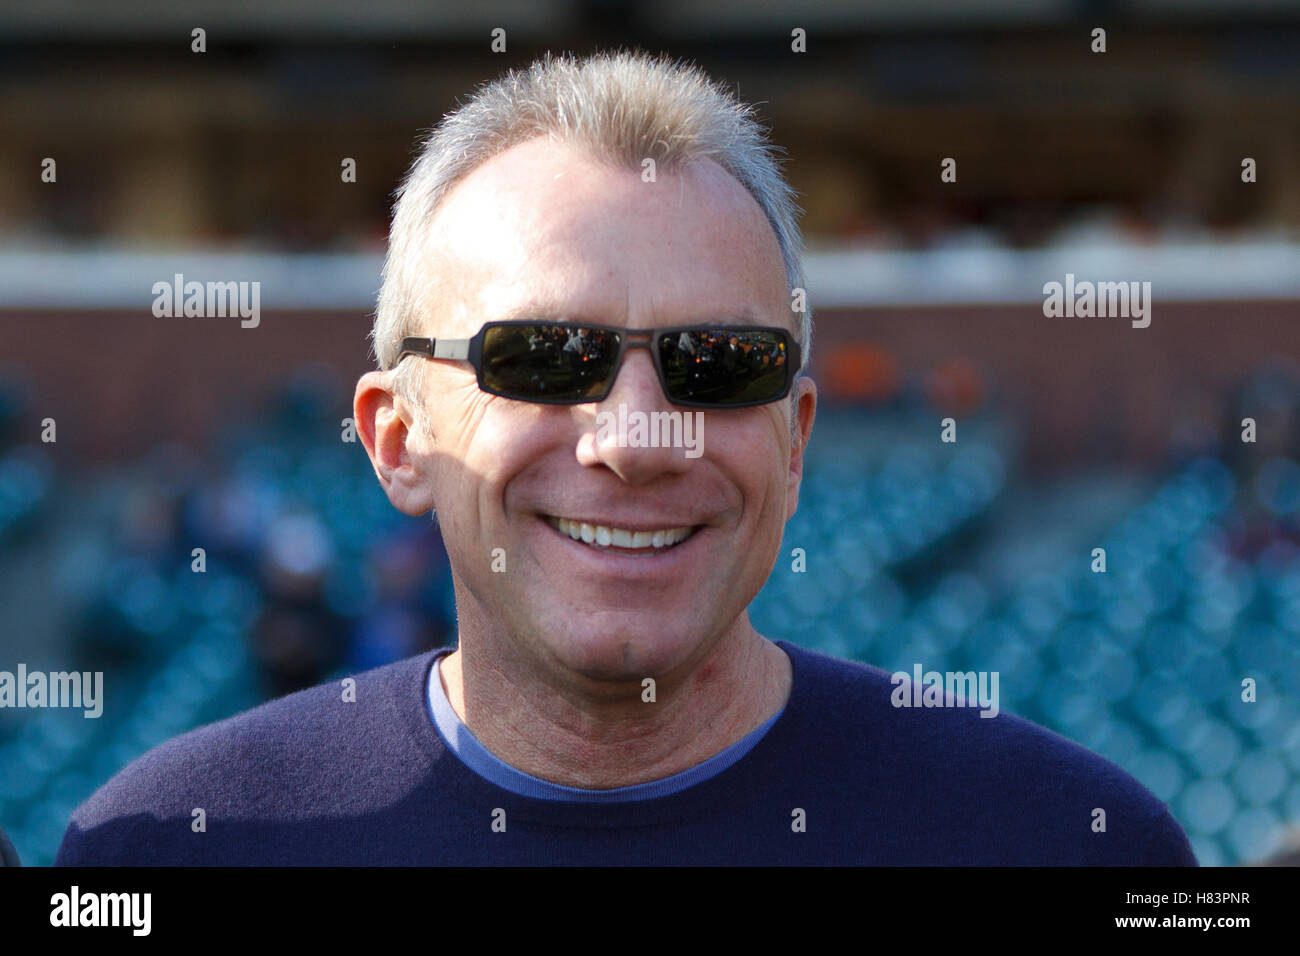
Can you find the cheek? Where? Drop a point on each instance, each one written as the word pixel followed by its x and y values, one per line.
pixel 462 424
pixel 505 442
pixel 509 436
pixel 756 462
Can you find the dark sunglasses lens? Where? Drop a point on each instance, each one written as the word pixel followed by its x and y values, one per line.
pixel 549 362
pixel 725 366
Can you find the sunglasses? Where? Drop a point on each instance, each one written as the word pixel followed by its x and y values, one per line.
pixel 568 363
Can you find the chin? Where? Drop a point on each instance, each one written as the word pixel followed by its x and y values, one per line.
pixel 623 654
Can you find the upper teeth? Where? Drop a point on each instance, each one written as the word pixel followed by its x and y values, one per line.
pixel 605 536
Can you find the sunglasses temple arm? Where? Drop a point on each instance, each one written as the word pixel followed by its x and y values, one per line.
pixel 437 348
pixel 451 348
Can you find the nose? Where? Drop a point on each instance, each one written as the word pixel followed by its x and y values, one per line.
pixel 635 428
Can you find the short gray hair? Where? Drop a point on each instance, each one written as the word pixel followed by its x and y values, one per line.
pixel 623 107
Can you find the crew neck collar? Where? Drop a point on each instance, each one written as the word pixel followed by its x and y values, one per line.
pixel 459 739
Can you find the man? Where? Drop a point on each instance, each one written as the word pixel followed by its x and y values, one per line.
pixel 609 701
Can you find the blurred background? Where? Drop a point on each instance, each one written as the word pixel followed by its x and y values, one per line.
pixel 1073 433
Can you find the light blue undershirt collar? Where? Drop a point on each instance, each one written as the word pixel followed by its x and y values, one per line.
pixel 486 764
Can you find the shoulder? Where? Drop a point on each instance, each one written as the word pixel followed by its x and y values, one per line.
pixel 924 717
pixel 991 769
pixel 285 759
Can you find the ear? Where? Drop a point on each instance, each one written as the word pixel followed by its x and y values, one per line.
pixel 805 412
pixel 394 443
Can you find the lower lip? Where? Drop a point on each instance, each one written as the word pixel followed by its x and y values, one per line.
pixel 621 561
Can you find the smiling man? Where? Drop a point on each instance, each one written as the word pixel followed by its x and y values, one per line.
pixel 583 238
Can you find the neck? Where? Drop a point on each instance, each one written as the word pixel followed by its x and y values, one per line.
pixel 580 736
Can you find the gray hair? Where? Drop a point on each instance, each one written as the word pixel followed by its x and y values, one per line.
pixel 623 107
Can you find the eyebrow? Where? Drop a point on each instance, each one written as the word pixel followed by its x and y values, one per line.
pixel 738 318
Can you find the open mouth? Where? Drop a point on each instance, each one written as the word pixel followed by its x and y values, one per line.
pixel 621 540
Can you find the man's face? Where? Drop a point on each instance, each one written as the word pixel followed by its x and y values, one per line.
pixel 541 231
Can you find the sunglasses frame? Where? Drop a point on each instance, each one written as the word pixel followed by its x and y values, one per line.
pixel 471 350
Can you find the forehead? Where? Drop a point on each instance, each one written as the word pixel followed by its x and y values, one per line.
pixel 544 230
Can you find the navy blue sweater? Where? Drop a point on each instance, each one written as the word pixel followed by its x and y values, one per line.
pixel 313 779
